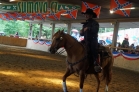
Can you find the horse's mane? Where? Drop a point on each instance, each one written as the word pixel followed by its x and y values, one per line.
pixel 68 35
pixel 75 39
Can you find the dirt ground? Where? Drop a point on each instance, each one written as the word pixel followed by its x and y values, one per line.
pixel 24 70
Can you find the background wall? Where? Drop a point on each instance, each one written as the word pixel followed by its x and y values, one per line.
pixel 118 61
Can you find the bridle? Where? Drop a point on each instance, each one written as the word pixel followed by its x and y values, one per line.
pixel 59 40
pixel 57 43
pixel 71 64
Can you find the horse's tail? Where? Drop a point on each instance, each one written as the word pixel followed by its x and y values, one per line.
pixel 107 69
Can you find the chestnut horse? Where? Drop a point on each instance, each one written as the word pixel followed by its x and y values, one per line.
pixel 77 60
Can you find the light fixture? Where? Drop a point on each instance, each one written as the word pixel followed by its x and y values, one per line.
pixel 0 3
pixel 113 23
pixel 63 14
pixel 111 11
pixel 128 8
pixel 12 0
pixel 65 24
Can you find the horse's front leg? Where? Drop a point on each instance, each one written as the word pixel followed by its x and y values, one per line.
pixel 68 73
pixel 82 77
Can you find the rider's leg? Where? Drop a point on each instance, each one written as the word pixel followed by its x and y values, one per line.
pixel 96 60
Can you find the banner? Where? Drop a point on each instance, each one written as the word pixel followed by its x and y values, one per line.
pixel 71 14
pixel 121 7
pixel 38 10
pixel 19 16
pixel 41 42
pixel 94 7
pixel 5 16
pixel 36 41
pixel 27 16
pixel 12 16
pixel 126 55
pixel 48 43
pixel 55 16
pixel 115 54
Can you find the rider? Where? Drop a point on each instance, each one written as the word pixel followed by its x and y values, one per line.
pixel 90 32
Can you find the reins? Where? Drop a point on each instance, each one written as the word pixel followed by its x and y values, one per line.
pixel 74 63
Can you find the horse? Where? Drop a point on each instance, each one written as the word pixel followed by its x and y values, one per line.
pixel 77 62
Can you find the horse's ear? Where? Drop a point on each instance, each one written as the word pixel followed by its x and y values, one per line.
pixel 58 31
pixel 62 31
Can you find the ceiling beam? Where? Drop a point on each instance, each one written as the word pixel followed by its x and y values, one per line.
pixel 101 20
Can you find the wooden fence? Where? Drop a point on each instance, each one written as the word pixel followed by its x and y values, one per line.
pixel 13 41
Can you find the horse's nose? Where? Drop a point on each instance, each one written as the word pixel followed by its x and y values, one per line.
pixel 49 50
pixel 52 51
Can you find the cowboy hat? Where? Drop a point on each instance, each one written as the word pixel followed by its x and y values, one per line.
pixel 91 12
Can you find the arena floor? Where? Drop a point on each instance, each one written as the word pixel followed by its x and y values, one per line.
pixel 24 70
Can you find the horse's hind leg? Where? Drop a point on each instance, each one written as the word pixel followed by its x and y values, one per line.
pixel 98 81
pixel 108 71
pixel 108 80
pixel 68 73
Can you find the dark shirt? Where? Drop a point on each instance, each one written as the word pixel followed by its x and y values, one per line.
pixel 125 43
pixel 92 32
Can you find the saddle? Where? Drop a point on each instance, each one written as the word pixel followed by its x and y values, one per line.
pixel 103 53
pixel 102 50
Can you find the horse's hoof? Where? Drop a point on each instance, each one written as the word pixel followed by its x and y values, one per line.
pixel 66 91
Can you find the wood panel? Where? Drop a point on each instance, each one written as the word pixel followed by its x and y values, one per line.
pixel 13 41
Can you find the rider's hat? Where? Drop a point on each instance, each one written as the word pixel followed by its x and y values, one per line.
pixel 91 12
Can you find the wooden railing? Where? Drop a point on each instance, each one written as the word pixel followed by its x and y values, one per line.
pixel 120 48
pixel 13 41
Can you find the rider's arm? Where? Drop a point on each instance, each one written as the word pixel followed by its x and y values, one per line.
pixel 82 32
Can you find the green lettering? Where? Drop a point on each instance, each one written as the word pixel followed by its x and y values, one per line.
pixel 19 6
pixel 30 7
pixel 54 6
pixel 24 7
pixel 36 7
pixel 40 7
pixel 45 7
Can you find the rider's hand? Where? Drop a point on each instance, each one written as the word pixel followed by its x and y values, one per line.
pixel 85 29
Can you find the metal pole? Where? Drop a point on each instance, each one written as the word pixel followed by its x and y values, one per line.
pixel 115 34
pixel 69 28
pixel 40 32
pixel 53 29
pixel 30 31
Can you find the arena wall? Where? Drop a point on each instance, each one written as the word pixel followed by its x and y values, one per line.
pixel 43 47
pixel 118 61
pixel 13 41
pixel 126 64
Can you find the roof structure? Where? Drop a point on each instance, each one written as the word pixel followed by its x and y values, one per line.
pixel 105 15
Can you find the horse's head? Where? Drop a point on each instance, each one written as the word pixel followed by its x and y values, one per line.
pixel 58 41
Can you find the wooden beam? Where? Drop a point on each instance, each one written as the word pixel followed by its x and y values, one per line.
pixel 115 33
pixel 101 20
pixel 69 28
pixel 53 29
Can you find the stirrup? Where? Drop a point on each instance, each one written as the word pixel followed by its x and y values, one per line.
pixel 98 68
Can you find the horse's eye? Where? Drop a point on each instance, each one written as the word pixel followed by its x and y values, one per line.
pixel 57 39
